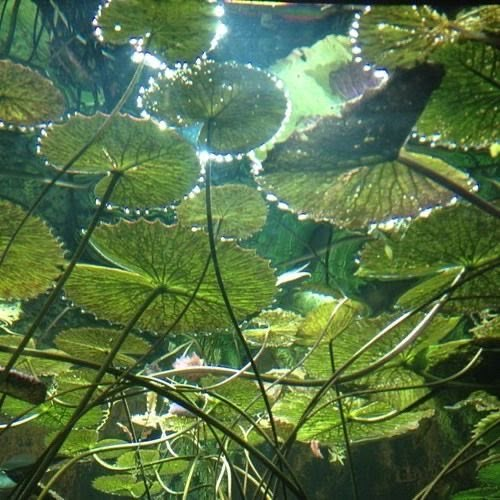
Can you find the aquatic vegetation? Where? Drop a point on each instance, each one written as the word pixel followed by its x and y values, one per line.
pixel 280 269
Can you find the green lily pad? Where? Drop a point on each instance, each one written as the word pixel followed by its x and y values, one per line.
pixel 170 260
pixel 34 260
pixel 238 107
pixel 237 210
pixel 26 97
pixel 448 242
pixel 400 36
pixel 362 195
pixel 277 327
pixel 464 110
pixel 156 166
pixel 325 425
pixel 180 31
pixel 305 73
pixel 96 343
pixel 350 334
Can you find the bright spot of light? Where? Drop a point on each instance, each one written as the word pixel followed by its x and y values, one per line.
pixel 149 60
pixel 219 10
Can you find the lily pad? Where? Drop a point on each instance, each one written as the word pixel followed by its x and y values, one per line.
pixel 156 166
pixel 238 107
pixel 350 334
pixel 277 327
pixel 237 210
pixel 362 195
pixel 465 108
pixel 26 97
pixel 168 260
pixel 96 343
pixel 400 36
pixel 34 260
pixel 180 31
pixel 305 73
pixel 325 425
pixel 459 239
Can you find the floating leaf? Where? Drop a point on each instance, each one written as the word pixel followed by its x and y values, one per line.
pixel 464 110
pixel 484 18
pixel 354 79
pixel 441 246
pixel 239 107
pixel 401 36
pixel 168 260
pixel 368 131
pixel 362 195
pixel 181 31
pixel 238 211
pixel 156 166
pixel 26 97
pixel 96 343
pixel 34 260
pixel 305 73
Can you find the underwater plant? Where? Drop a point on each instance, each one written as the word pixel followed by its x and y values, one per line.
pixel 222 277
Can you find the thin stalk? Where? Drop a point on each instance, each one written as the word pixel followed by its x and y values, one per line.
pixel 12 28
pixel 345 432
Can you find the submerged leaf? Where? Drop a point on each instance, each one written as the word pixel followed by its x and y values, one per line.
pixel 34 260
pixel 277 327
pixel 181 31
pixel 96 343
pixel 448 242
pixel 465 108
pixel 169 261
pixel 238 107
pixel 156 167
pixel 238 211
pixel 26 97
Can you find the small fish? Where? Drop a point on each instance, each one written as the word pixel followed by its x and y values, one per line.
pixel 293 275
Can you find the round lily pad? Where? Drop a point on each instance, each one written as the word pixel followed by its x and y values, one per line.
pixel 149 257
pixel 34 260
pixel 363 195
pixel 237 210
pixel 26 97
pixel 179 30
pixel 237 106
pixel 156 166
